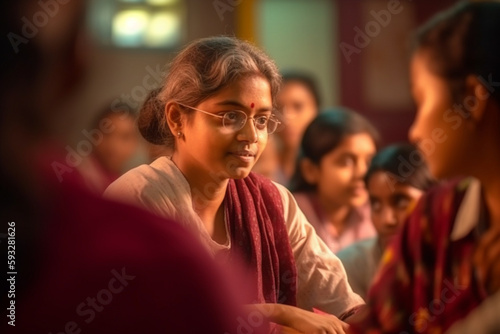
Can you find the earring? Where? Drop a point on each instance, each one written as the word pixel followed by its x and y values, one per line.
pixel 179 134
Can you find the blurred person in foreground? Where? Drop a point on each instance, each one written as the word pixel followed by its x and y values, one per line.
pixel 446 261
pixel 83 264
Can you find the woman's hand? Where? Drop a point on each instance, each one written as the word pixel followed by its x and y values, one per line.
pixel 309 322
pixel 302 321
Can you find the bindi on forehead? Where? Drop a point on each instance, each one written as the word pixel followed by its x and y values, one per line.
pixel 252 105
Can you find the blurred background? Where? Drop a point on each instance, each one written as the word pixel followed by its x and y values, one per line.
pixel 357 50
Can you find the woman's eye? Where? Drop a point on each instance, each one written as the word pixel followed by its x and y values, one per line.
pixel 261 120
pixel 231 115
pixel 375 205
pixel 347 161
pixel 234 117
pixel 402 203
pixel 298 107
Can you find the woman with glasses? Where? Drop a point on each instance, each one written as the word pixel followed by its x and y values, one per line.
pixel 328 185
pixel 218 109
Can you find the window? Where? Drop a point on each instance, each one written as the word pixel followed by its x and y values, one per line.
pixel 138 23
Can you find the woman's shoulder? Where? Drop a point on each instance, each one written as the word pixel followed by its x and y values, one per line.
pixel 445 197
pixel 434 218
pixel 153 172
pixel 155 180
pixel 273 191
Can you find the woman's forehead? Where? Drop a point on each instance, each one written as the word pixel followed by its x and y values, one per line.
pixel 244 92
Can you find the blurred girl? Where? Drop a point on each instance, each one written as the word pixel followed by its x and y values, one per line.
pixel 394 187
pixel 116 142
pixel 300 102
pixel 328 185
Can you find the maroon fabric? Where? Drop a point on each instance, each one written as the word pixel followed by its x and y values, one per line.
pixel 254 210
pixel 426 280
pixel 105 267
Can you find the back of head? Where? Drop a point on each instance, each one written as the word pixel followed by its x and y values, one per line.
pixel 325 133
pixel 198 72
pixel 464 40
pixel 38 69
pixel 405 163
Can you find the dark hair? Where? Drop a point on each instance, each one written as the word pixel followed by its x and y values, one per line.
pixel 25 67
pixel 305 80
pixel 463 40
pixel 405 163
pixel 199 72
pixel 121 108
pixel 325 133
pixel 152 107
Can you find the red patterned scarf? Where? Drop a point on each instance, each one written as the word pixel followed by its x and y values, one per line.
pixel 254 210
pixel 426 281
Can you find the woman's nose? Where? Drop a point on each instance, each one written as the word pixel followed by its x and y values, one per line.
pixel 389 217
pixel 413 133
pixel 361 168
pixel 248 132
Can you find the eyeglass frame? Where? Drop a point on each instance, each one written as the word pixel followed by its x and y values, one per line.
pixel 273 116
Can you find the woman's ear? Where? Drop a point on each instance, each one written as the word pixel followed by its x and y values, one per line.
pixel 309 170
pixel 476 98
pixel 174 118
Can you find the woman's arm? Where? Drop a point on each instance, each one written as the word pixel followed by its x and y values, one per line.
pixel 322 281
pixel 298 320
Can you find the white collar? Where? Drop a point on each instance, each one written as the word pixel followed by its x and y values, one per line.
pixel 469 211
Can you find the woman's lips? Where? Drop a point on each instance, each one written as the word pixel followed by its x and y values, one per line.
pixel 358 190
pixel 245 156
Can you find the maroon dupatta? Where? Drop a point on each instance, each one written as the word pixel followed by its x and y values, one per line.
pixel 254 212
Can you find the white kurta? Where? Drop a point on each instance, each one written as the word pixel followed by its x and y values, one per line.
pixel 161 188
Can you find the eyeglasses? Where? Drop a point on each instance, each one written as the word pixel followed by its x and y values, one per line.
pixel 235 120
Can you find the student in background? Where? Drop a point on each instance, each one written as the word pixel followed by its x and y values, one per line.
pixel 328 184
pixel 299 102
pixel 116 141
pixel 394 186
